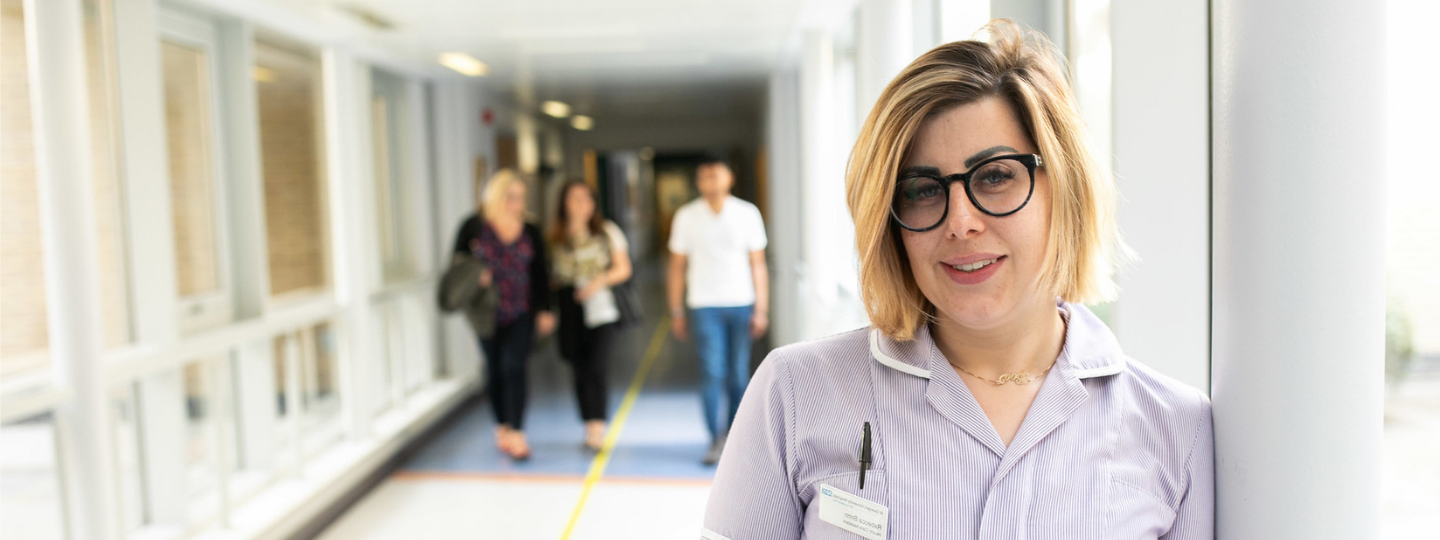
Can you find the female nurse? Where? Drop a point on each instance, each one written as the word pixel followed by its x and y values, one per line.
pixel 986 401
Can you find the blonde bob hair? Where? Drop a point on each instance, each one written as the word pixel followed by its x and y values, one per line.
pixel 495 189
pixel 1022 68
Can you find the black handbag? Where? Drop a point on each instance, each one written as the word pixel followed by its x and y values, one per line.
pixel 627 301
pixel 629 305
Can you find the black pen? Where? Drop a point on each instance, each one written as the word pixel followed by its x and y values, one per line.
pixel 864 455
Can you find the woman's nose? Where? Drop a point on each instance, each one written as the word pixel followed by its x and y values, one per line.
pixel 964 220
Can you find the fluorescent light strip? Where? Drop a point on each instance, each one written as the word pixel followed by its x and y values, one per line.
pixel 464 63
pixel 557 109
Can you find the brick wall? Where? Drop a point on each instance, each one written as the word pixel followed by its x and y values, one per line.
pixel 110 238
pixel 288 86
pixel 187 124
pixel 23 330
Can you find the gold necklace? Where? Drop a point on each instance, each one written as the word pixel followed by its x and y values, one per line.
pixel 1021 378
pixel 1024 377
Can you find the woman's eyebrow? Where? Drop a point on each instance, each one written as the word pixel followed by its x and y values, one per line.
pixel 921 170
pixel 987 153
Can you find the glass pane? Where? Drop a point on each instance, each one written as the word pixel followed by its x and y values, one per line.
pixel 1410 497
pixel 380 379
pixel 288 86
pixel 126 421
pixel 385 215
pixel 322 404
pixel 109 186
pixel 192 170
pixel 30 500
pixel 387 115
pixel 285 455
pixel 201 451
pixel 23 329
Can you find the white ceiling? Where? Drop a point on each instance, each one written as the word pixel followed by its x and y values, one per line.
pixel 630 58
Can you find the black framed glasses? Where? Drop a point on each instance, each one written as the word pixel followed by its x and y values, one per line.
pixel 998 186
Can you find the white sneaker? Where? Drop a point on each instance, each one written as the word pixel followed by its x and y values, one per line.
pixel 713 456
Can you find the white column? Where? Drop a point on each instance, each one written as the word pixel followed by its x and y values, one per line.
pixel 959 19
pixel 817 124
pixel 245 185
pixel 146 171
pixel 1047 16
pixel 454 163
pixel 885 45
pixel 420 322
pixel 1161 75
pixel 925 25
pixel 61 125
pixel 350 150
pixel 1299 274
pixel 786 229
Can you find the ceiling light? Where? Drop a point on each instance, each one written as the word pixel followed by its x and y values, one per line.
pixel 464 64
pixel 557 109
pixel 582 122
pixel 265 75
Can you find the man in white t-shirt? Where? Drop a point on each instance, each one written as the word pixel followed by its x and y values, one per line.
pixel 717 263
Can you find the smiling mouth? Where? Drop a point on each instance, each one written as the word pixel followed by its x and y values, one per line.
pixel 975 266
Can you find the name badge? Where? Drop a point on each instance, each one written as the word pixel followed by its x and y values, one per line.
pixel 852 513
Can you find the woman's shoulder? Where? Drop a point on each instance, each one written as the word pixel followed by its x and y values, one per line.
pixel 1162 407
pixel 1151 386
pixel 834 357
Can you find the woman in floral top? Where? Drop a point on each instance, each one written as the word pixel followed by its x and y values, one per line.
pixel 590 258
pixel 514 254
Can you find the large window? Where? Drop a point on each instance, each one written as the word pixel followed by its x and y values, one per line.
pixel 388 112
pixel 187 56
pixel 23 329
pixel 288 88
pixel 23 340
pixel 1411 479
pixel 110 232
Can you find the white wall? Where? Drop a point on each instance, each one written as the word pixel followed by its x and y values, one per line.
pixel 1161 104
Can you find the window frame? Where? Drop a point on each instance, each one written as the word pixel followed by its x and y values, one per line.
pixel 206 311
pixel 271 48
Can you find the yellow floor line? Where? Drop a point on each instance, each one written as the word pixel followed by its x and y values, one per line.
pixel 597 467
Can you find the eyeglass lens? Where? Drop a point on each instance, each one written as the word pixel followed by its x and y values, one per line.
pixel 998 187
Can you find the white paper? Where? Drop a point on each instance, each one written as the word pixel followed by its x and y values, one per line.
pixel 852 513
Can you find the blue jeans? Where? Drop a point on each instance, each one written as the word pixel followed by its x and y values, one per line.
pixel 722 337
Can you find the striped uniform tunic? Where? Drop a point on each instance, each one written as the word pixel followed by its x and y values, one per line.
pixel 1109 449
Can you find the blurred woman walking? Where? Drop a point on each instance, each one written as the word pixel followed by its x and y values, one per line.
pixel 514 264
pixel 590 258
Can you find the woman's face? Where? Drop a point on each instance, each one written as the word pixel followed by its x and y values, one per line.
pixel 514 204
pixel 952 141
pixel 578 204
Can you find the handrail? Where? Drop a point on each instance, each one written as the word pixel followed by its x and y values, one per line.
pixel 40 393
pixel 31 401
pixel 426 281
pixel 142 361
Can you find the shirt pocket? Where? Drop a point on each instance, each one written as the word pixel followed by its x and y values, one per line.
pixel 875 492
pixel 1135 513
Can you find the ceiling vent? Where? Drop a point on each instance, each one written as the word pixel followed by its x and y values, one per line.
pixel 369 16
